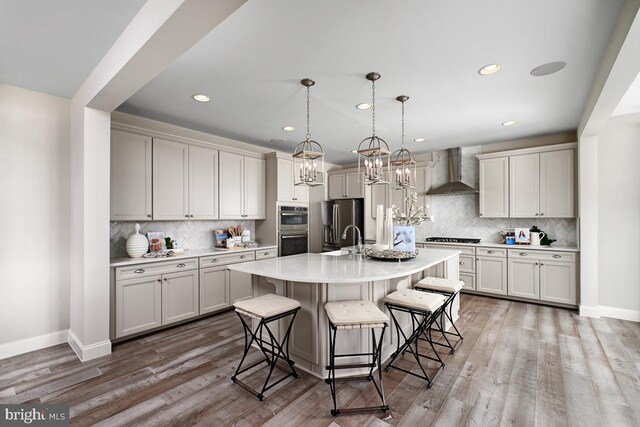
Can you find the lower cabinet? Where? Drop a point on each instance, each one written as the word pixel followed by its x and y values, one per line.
pixel 179 296
pixel 138 305
pixel 240 286
pixel 491 275
pixel 524 278
pixel 214 289
pixel 558 282
pixel 469 281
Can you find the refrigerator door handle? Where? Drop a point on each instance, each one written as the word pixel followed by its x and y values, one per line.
pixel 336 223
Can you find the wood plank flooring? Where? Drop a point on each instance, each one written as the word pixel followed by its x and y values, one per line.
pixel 520 364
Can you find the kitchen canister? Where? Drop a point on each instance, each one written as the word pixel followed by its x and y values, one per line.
pixel 137 244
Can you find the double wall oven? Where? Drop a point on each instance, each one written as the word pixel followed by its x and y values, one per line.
pixel 293 230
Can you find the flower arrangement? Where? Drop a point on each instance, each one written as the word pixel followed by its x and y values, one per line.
pixel 415 214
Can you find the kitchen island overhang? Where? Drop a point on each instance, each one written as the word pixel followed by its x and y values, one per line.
pixel 315 279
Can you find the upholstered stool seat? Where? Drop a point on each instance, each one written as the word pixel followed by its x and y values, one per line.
pixel 356 315
pixel 423 309
pixel 449 288
pixel 266 309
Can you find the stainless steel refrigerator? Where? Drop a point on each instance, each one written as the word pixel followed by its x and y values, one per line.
pixel 336 215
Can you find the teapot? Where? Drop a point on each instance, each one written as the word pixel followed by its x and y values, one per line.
pixel 536 237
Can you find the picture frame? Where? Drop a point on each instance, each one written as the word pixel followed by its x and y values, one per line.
pixel 523 236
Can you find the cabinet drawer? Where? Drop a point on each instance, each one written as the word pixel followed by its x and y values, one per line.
pixel 464 250
pixel 543 255
pixel 491 252
pixel 149 269
pixel 224 259
pixel 266 253
pixel 469 281
pixel 467 264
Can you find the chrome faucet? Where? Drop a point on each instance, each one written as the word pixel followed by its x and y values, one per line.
pixel 360 245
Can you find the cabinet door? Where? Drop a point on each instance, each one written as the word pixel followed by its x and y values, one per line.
pixel 398 198
pixel 203 183
pixel 240 286
pixel 254 188
pixel 285 180
pixel 494 188
pixel 214 289
pixel 557 184
pixel 558 282
pixel 336 186
pixel 524 278
pixel 138 305
pixel 491 275
pixel 179 296
pixel 301 193
pixel 231 185
pixel 524 186
pixel 130 177
pixel 354 189
pixel 170 180
pixel 423 184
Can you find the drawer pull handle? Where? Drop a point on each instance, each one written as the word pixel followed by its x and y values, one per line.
pixel 266 253
pixel 491 252
pixel 165 279
pixel 139 271
pixel 557 256
pixel 243 257
pixel 213 261
pixel 522 254
pixel 180 265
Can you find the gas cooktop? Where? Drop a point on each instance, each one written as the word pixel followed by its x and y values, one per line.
pixel 452 240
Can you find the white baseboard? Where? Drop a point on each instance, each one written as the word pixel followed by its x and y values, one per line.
pixel 590 311
pixel 620 313
pixel 88 352
pixel 31 344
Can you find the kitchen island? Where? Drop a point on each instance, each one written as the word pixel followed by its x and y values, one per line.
pixel 315 279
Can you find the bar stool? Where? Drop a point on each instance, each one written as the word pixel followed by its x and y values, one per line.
pixel 266 309
pixel 356 315
pixel 449 289
pixel 423 308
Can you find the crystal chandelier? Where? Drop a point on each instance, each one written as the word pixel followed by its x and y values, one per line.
pixel 308 156
pixel 402 160
pixel 373 152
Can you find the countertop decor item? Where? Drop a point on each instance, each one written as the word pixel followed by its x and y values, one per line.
pixel 308 156
pixel 373 152
pixel 137 244
pixel 390 254
pixel 156 241
pixel 414 214
pixel 544 241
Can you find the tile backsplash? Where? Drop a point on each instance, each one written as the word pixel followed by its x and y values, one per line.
pixel 458 216
pixel 188 234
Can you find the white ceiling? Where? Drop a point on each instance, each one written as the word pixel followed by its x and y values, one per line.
pixel 51 46
pixel 630 102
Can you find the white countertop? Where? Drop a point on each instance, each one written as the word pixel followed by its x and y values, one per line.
pixel 329 268
pixel 193 253
pixel 503 246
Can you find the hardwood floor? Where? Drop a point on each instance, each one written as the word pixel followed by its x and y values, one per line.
pixel 520 364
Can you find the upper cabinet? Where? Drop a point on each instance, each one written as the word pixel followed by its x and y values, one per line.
pixel 494 187
pixel 185 181
pixel 287 191
pixel 345 185
pixel 528 183
pixel 130 176
pixel 242 187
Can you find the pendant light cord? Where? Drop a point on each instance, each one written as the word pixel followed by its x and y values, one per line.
pixel 373 105
pixel 308 120
pixel 402 124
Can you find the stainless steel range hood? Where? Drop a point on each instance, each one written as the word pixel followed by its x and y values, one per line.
pixel 454 185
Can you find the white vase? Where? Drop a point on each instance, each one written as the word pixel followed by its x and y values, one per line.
pixel 137 244
pixel 388 228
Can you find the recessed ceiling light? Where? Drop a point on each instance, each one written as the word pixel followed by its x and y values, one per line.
pixel 288 128
pixel 489 69
pixel 510 123
pixel 363 106
pixel 201 98
pixel 354 151
pixel 418 140
pixel 278 140
pixel 548 68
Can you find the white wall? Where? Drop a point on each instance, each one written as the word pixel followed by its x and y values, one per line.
pixel 34 225
pixel 619 214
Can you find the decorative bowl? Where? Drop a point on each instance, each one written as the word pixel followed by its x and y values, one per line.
pixel 390 254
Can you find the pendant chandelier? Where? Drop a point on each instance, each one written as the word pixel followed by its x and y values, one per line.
pixel 373 152
pixel 402 160
pixel 308 156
